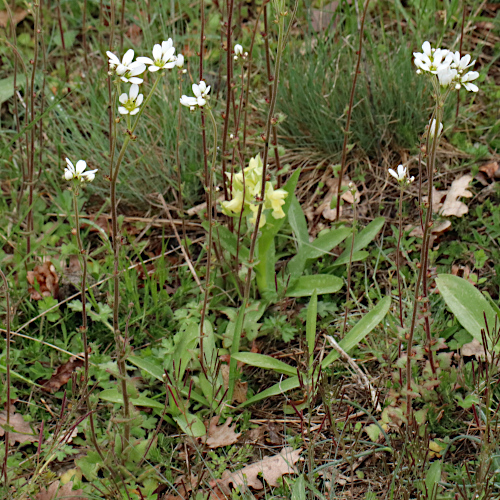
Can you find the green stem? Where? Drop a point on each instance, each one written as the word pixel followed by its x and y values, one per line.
pixel 84 322
pixel 209 188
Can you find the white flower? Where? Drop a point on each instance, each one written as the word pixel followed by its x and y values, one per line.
pixel 238 50
pixel 401 174
pixel 126 69
pixel 446 75
pixel 465 79
pixel 78 172
pixel 461 63
pixel 432 128
pixel 200 91
pixel 179 62
pixel 131 102
pixel 163 57
pixel 432 60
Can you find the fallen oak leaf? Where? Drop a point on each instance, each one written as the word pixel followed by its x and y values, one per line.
pixel 62 375
pixel 458 189
pixel 54 492
pixel 17 17
pixel 222 435
pixel 19 430
pixel 271 468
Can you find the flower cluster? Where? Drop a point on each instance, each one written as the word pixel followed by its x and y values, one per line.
pixel 78 171
pixel 130 71
pixel 449 67
pixel 401 175
pixel 245 192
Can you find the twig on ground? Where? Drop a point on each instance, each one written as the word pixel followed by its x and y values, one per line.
pixel 358 370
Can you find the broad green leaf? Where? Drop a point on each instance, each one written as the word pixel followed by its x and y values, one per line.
pixel 360 330
pixel 90 465
pixel 279 388
pixel 114 396
pixel 182 355
pixel 191 425
pixel 432 478
pixel 297 221
pixel 322 283
pixel 154 369
pixel 326 242
pixel 467 303
pixel 265 269
pixel 312 313
pixel 263 361
pixel 320 246
pixel 235 349
pixel 361 240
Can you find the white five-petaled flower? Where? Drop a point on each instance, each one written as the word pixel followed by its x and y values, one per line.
pixel 446 75
pixel 78 171
pixel 238 50
pixel 432 128
pixel 126 69
pixel 131 102
pixel 163 57
pixel 200 92
pixel 179 62
pixel 432 60
pixel 401 175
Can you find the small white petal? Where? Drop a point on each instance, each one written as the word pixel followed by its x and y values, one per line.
pixel 134 91
pixel 81 165
pixel 123 98
pixel 157 52
pixel 139 100
pixel 128 57
pixel 145 60
pixel 122 110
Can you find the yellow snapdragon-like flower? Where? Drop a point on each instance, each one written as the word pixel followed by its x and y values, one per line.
pixel 275 199
pixel 246 189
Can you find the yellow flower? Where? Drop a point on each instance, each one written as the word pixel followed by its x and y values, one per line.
pixel 253 219
pixel 275 199
pixel 235 205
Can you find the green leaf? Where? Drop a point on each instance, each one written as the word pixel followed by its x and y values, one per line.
pixel 154 369
pixel 467 303
pixel 114 396
pixel 297 221
pixel 326 242
pixel 361 240
pixel 263 361
pixel 299 488
pixel 322 283
pixel 90 465
pixel 191 425
pixel 279 388
pixel 312 313
pixel 432 478
pixel 7 87
pixel 360 330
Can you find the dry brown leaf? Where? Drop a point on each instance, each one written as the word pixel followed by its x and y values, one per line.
pixel 458 189
pixel 54 492
pixel 436 230
pixel 437 199
pixel 61 375
pixel 221 435
pixel 491 169
pixel 47 279
pixel 475 348
pixel 17 16
pixel 271 468
pixel 240 389
pixel 23 432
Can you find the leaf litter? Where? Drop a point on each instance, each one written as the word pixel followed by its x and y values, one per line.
pixel 19 430
pixel 221 435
